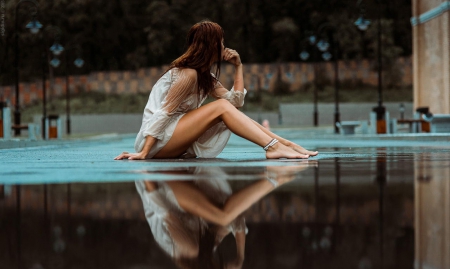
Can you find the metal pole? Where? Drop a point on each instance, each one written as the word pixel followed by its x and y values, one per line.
pixel 18 226
pixel 16 66
pixel 380 62
pixel 336 89
pixel 327 27
pixel 381 180
pixel 44 90
pixel 380 109
pixel 337 171
pixel 316 97
pixel 69 210
pixel 67 97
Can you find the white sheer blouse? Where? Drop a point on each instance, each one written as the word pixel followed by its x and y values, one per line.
pixel 173 95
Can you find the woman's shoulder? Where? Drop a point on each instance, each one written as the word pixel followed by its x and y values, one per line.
pixel 185 72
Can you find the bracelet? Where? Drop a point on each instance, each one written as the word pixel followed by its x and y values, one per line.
pixel 271 143
pixel 272 181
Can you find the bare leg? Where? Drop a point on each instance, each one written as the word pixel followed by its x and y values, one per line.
pixel 285 142
pixel 192 125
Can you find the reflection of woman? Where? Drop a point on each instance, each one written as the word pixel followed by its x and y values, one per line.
pixel 175 125
pixel 189 219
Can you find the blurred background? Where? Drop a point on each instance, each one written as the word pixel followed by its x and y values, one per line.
pixel 125 46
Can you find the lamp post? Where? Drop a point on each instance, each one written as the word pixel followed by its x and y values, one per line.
pixel 34 27
pixel 324 45
pixel 56 49
pixel 362 23
pixel 79 62
pixel 304 55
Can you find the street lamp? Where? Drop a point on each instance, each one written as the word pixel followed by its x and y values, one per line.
pixel 34 27
pixel 324 30
pixel 56 48
pixel 55 62
pixel 304 55
pixel 363 25
pixel 79 62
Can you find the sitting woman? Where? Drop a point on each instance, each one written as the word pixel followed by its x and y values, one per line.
pixel 175 125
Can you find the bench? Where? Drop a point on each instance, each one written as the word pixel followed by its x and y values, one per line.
pixel 440 123
pixel 347 127
pixel 33 130
pixel 415 124
pixel 6 126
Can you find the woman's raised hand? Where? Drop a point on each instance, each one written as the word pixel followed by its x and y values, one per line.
pixel 232 57
pixel 130 156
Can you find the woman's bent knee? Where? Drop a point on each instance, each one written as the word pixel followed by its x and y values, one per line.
pixel 223 105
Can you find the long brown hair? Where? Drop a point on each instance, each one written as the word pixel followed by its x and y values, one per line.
pixel 204 48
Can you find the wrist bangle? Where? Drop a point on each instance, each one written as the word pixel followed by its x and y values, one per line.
pixel 272 180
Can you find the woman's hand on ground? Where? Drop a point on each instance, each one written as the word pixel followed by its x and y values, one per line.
pixel 130 156
pixel 232 57
pixel 300 149
pixel 285 174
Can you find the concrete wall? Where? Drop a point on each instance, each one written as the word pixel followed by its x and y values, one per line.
pixel 299 115
pixel 256 76
pixel 431 55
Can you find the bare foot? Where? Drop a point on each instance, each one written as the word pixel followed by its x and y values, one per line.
pixel 279 150
pixel 301 149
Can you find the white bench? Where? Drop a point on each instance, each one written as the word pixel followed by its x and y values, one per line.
pixel 440 123
pixel 33 129
pixel 347 127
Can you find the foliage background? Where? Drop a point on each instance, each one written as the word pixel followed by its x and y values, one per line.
pixel 130 34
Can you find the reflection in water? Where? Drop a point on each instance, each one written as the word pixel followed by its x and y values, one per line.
pixel 358 213
pixel 432 212
pixel 189 219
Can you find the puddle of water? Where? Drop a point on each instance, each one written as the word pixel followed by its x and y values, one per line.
pixel 363 208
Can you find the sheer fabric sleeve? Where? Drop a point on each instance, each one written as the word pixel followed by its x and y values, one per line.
pixel 238 225
pixel 236 98
pixel 184 81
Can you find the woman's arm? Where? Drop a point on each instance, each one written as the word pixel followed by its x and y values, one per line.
pixel 240 246
pixel 234 58
pixel 181 88
pixel 240 255
pixel 149 142
pixel 235 98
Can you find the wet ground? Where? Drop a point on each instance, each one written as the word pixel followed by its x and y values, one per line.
pixel 362 203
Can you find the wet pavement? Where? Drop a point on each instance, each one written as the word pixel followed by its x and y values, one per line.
pixel 362 203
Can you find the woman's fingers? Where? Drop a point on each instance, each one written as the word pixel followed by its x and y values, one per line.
pixel 130 156
pixel 230 54
pixel 119 157
pixel 124 155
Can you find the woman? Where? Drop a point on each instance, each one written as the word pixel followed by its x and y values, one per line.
pixel 175 126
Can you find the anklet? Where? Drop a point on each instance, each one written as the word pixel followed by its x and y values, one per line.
pixel 271 143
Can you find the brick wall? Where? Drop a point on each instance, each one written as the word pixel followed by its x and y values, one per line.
pixel 256 76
